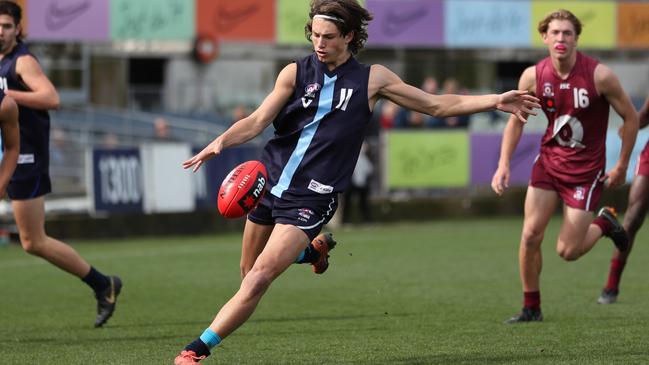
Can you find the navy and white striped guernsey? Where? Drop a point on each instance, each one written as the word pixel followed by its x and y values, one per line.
pixel 319 132
pixel 34 124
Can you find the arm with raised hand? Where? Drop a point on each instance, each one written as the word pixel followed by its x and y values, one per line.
pixel 252 125
pixel 511 137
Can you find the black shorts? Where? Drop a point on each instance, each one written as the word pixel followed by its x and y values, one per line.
pixel 29 188
pixel 308 215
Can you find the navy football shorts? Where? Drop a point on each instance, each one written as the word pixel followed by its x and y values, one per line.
pixel 308 215
pixel 29 188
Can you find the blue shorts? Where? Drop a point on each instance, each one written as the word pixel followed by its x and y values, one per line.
pixel 29 188
pixel 308 215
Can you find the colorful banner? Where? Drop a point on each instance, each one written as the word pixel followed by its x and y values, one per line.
pixel 152 19
pixel 242 20
pixel 292 16
pixel 411 23
pixel 597 18
pixel 485 153
pixel 69 20
pixel 633 25
pixel 427 159
pixel 487 24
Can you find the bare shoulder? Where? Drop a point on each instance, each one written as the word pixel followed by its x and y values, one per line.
pixel 528 80
pixel 380 73
pixel 380 78
pixel 288 75
pixel 27 62
pixel 606 82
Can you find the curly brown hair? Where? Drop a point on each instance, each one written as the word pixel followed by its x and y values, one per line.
pixel 561 14
pixel 354 18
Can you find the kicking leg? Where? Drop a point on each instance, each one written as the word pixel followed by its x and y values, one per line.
pixel 284 244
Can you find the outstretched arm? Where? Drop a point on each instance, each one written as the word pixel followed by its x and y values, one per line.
pixel 10 141
pixel 385 83
pixel 608 85
pixel 252 125
pixel 511 137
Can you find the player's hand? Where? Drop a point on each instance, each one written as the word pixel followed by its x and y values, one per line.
pixel 518 102
pixel 500 181
pixel 212 149
pixel 615 177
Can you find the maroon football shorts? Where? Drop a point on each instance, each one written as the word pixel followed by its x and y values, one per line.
pixel 642 167
pixel 584 196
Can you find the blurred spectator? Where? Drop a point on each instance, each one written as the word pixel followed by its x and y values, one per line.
pixel 451 86
pixel 109 141
pixel 430 85
pixel 239 112
pixel 389 111
pixel 359 187
pixel 413 119
pixel 57 147
pixel 161 130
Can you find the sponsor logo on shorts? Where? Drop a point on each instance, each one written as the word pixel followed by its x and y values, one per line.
pixel 320 188
pixel 304 214
pixel 579 193
pixel 26 158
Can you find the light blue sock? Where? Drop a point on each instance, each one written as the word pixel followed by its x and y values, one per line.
pixel 210 338
pixel 300 257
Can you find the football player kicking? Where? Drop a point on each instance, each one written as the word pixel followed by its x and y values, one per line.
pixel 320 107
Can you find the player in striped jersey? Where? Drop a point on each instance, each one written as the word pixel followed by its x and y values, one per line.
pixel 319 108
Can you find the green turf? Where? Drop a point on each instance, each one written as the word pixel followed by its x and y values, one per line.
pixel 433 293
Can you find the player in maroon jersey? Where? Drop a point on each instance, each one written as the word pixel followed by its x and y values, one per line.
pixel 633 217
pixel 575 92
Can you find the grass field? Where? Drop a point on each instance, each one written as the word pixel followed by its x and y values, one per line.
pixel 433 293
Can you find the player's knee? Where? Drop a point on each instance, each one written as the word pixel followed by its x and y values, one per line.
pixel 531 238
pixel 568 253
pixel 256 281
pixel 30 246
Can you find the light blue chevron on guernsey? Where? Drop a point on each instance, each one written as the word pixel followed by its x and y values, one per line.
pixel 324 106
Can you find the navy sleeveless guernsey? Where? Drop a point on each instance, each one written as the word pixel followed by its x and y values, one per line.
pixel 34 124
pixel 319 132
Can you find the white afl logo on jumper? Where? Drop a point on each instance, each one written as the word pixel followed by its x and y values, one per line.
pixel 309 93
